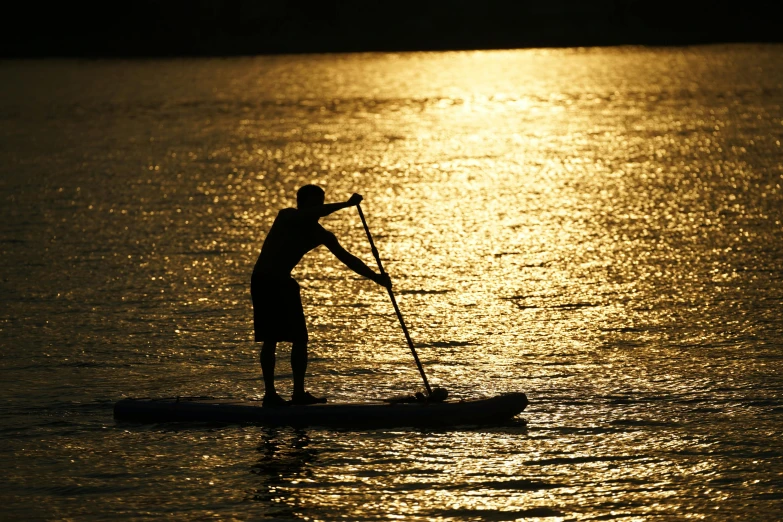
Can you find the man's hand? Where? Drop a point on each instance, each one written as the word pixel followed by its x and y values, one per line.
pixel 355 199
pixel 383 280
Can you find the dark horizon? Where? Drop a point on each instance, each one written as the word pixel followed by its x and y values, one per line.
pixel 242 27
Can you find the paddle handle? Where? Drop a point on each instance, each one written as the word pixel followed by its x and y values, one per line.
pixel 394 303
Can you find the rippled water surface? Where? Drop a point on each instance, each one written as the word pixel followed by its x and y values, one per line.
pixel 599 228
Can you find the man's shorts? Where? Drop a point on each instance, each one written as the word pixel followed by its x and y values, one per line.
pixel 277 309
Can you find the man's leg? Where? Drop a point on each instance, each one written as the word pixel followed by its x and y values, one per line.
pixel 268 366
pixel 299 365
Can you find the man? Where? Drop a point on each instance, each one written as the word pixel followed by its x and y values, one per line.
pixel 277 305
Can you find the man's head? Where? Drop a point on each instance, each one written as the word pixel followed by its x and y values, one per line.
pixel 309 196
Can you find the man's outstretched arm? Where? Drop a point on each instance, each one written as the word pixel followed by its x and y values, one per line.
pixel 356 264
pixel 329 208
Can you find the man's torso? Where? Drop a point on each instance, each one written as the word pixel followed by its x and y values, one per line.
pixel 289 239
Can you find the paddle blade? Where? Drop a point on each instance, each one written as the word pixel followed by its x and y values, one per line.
pixel 439 395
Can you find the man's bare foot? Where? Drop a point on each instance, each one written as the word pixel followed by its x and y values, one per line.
pixel 273 401
pixel 306 398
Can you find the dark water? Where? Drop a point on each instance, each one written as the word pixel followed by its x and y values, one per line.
pixel 600 229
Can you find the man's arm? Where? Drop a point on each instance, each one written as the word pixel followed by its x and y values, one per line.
pixel 354 263
pixel 329 208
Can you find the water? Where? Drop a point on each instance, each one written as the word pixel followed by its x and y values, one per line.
pixel 599 228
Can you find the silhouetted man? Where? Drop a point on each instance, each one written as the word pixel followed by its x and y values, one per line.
pixel 277 305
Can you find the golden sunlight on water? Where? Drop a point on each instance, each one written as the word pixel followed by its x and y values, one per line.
pixel 597 228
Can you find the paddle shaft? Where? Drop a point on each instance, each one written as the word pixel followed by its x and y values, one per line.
pixel 394 302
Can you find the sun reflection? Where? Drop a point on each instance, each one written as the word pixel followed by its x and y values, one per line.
pixel 596 227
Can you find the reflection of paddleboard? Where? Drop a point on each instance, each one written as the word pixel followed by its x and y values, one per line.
pixel 491 410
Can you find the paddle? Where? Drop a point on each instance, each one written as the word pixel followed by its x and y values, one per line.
pixel 397 309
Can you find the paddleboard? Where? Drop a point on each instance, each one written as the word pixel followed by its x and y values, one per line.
pixel 482 411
